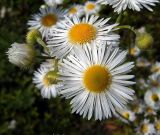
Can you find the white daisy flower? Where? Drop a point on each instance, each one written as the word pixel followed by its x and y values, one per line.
pixel 134 51
pixel 142 83
pixel 76 32
pixel 127 115
pixel 21 55
pixel 53 2
pixel 91 7
pixel 138 107
pixel 154 80
pixel 142 62
pixel 76 10
pixel 149 111
pixel 137 5
pixel 156 68
pixel 152 98
pixel 146 128
pixel 46 19
pixel 157 126
pixel 96 81
pixel 46 79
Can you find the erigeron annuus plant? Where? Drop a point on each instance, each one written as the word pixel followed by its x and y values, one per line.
pixel 84 61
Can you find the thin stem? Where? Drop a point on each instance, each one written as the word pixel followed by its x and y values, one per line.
pixel 43 44
pixel 56 65
pixel 127 27
pixel 119 18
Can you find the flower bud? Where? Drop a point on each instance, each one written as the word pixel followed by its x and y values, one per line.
pixel 21 55
pixel 32 36
pixel 144 40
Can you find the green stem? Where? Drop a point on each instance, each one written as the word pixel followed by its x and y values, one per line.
pixel 119 18
pixel 43 44
pixel 127 27
pixel 56 65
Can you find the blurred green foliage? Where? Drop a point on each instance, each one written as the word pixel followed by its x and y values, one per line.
pixel 22 102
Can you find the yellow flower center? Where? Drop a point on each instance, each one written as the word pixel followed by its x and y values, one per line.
pixel 157 125
pixel 155 69
pixel 73 10
pixel 155 83
pixel 49 20
pixel 144 128
pixel 149 110
pixel 50 78
pixel 155 97
pixel 126 115
pixel 97 78
pixel 133 51
pixel 90 6
pixel 82 33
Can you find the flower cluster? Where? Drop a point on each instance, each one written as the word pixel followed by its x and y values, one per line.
pixel 85 62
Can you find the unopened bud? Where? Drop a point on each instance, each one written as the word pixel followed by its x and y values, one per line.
pixel 32 36
pixel 21 55
pixel 144 41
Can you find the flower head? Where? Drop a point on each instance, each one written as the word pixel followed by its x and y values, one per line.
pixel 137 5
pixel 152 98
pixel 53 2
pixel 75 32
pixel 91 7
pixel 76 10
pixel 46 19
pixel 96 81
pixel 46 79
pixel 146 128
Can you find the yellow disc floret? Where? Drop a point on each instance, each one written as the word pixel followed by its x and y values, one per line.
pixel 97 78
pixel 157 125
pixel 90 6
pixel 126 115
pixel 73 10
pixel 144 128
pixel 49 20
pixel 50 78
pixel 82 33
pixel 155 97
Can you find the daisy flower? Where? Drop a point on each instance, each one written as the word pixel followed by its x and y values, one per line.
pixel 76 10
pixel 91 7
pixel 156 68
pixel 46 19
pixel 157 126
pixel 135 51
pixel 96 81
pixel 127 115
pixel 74 32
pixel 149 111
pixel 46 79
pixel 142 83
pixel 146 128
pixel 21 55
pixel 154 80
pixel 138 107
pixel 152 98
pixel 142 62
pixel 137 5
pixel 53 2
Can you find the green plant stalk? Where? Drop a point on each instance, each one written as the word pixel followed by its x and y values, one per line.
pixel 127 27
pixel 43 44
